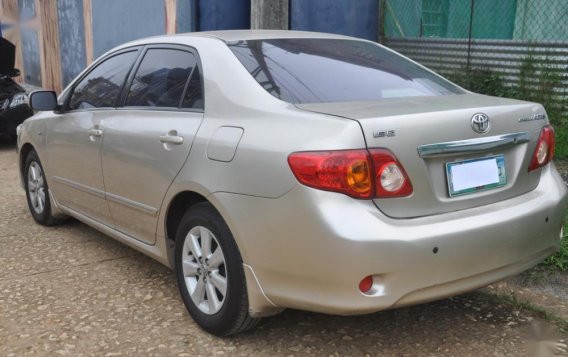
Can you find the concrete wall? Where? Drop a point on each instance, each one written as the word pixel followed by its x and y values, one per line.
pixel 269 14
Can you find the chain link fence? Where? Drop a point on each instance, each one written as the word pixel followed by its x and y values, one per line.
pixel 512 48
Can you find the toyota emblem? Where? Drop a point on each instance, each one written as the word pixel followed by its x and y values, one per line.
pixel 480 123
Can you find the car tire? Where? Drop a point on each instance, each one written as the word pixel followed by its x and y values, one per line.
pixel 206 255
pixel 37 191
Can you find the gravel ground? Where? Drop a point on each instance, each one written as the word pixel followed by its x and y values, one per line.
pixel 70 290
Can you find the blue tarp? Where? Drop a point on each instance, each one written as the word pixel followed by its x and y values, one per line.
pixel 347 17
pixel 223 14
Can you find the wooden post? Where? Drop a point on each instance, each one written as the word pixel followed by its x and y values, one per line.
pixel 88 21
pixel 171 15
pixel 50 55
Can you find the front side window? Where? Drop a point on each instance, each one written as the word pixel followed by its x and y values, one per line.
pixel 161 78
pixel 101 87
pixel 308 70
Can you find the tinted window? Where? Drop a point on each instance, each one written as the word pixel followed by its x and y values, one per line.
pixel 101 87
pixel 332 70
pixel 161 78
pixel 194 94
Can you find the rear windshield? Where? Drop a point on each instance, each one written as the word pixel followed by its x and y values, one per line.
pixel 334 70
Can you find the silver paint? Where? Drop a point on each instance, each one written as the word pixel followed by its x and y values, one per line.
pixel 292 237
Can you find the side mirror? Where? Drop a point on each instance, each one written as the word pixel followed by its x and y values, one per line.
pixel 43 100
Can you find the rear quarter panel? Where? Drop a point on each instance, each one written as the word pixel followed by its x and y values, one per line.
pixel 272 129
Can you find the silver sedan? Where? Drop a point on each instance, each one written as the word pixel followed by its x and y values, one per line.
pixel 278 169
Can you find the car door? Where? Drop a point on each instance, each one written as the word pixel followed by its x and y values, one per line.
pixel 149 139
pixel 74 139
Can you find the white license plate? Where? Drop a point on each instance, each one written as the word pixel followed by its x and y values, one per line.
pixel 475 175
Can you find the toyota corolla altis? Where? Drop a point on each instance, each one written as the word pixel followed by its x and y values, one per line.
pixel 279 169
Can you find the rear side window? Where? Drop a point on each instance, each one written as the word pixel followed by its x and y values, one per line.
pixel 193 98
pixel 335 70
pixel 161 78
pixel 101 87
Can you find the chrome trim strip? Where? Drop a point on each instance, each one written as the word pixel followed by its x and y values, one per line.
pixel 80 187
pixel 132 204
pixel 467 146
pixel 101 194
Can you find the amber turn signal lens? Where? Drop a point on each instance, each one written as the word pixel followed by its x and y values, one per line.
pixel 358 177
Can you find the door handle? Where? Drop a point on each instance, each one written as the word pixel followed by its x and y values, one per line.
pixel 95 132
pixel 171 139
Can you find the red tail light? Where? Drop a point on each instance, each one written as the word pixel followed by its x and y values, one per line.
pixel 357 173
pixel 544 151
pixel 391 179
pixel 348 171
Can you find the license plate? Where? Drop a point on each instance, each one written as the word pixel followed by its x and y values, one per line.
pixel 475 175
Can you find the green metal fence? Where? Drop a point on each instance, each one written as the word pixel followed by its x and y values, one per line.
pixel 527 20
pixel 513 48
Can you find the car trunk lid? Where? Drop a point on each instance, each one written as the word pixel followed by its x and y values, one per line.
pixel 426 133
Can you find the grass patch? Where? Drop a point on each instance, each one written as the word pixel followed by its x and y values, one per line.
pixel 559 261
pixel 561 140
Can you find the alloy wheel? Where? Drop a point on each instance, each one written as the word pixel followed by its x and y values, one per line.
pixel 204 270
pixel 36 187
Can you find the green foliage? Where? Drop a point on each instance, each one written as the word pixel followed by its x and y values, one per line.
pixel 539 81
pixel 481 80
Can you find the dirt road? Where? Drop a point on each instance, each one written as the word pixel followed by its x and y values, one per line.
pixel 70 290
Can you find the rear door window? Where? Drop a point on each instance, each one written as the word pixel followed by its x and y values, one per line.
pixel 161 78
pixel 101 87
pixel 308 70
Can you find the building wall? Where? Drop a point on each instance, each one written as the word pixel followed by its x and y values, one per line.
pixel 56 39
pixel 71 28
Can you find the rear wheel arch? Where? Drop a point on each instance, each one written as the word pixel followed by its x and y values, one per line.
pixel 177 207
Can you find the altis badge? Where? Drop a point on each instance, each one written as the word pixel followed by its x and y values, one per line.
pixel 533 117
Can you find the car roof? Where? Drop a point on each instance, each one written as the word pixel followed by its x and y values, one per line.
pixel 237 35
pixel 234 35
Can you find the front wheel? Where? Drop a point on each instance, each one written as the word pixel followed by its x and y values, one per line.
pixel 209 271
pixel 37 192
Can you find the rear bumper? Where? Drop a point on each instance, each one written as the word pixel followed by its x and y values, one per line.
pixel 309 249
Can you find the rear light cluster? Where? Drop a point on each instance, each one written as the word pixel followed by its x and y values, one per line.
pixel 544 151
pixel 364 174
